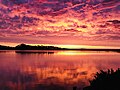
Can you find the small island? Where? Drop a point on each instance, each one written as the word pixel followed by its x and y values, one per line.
pixel 29 47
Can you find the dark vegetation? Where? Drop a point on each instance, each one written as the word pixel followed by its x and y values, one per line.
pixel 29 47
pixel 105 80
pixel 6 48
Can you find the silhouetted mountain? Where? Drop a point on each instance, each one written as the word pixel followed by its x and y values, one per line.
pixel 105 80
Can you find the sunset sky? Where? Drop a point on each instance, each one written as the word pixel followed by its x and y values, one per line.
pixel 60 22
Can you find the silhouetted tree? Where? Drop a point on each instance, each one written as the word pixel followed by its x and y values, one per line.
pixel 105 80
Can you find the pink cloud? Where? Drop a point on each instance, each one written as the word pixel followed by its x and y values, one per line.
pixel 83 20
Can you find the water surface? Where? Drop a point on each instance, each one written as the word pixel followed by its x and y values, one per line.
pixel 51 70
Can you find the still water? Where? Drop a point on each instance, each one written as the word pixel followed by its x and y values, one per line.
pixel 52 70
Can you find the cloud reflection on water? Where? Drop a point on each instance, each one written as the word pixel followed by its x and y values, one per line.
pixel 43 71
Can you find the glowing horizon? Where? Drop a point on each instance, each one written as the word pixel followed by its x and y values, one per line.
pixel 66 46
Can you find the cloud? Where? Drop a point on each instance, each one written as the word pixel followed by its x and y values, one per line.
pixel 114 21
pixel 83 19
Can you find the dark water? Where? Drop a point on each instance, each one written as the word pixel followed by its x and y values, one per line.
pixel 52 70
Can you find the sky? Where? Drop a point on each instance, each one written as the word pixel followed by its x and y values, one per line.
pixel 60 22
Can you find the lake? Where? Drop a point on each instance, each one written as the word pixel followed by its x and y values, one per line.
pixel 52 70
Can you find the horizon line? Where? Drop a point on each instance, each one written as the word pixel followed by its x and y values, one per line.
pixel 70 46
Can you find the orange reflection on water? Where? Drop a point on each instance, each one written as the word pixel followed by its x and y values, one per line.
pixel 60 73
pixel 72 53
pixel 38 71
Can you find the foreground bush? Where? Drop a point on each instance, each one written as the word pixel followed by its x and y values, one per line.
pixel 105 80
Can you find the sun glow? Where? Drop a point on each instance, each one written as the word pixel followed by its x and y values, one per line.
pixel 72 53
pixel 79 46
pixel 85 47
